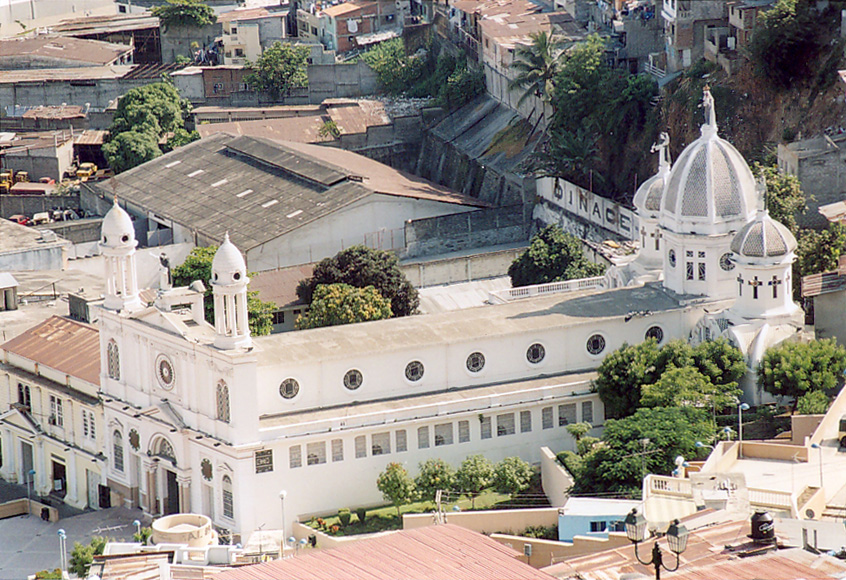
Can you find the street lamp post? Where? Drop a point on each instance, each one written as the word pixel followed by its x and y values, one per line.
pixel 818 446
pixel 62 553
pixel 30 482
pixel 282 495
pixel 740 408
pixel 676 539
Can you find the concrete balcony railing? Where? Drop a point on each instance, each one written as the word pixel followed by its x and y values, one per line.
pixel 504 296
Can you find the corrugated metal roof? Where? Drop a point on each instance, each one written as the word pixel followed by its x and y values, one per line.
pixel 68 346
pixel 430 553
pixel 255 189
pixel 825 282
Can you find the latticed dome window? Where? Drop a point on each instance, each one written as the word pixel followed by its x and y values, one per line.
pixel 113 360
pixel 223 402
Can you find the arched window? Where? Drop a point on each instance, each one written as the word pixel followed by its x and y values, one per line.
pixel 117 447
pixel 223 402
pixel 113 360
pixel 228 507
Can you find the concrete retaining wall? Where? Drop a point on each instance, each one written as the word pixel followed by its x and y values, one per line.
pixel 19 507
pixel 556 481
pixel 340 80
pixel 475 229
pixel 460 269
pixel 14 204
pixel 489 521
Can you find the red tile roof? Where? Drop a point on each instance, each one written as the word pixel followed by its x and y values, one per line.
pixel 280 286
pixel 430 553
pixel 65 345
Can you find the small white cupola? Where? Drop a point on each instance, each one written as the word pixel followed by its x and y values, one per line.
pixel 763 251
pixel 647 202
pixel 229 286
pixel 117 244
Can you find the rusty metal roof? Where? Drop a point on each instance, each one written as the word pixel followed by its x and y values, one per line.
pixel 95 52
pixel 68 346
pixel 825 282
pixel 430 553
pixel 280 286
pixel 55 112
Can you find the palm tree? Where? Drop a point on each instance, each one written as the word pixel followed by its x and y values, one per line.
pixel 536 65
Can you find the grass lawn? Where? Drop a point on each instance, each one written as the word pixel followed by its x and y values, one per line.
pixel 385 518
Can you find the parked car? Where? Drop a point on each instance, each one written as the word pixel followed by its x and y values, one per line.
pixel 19 219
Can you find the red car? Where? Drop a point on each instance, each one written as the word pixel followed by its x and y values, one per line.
pixel 20 219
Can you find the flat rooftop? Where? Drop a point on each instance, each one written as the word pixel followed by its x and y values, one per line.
pixel 94 52
pixel 426 330
pixel 15 238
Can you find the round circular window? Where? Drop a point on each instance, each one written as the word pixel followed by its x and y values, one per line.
pixel 353 379
pixel 535 353
pixel 655 332
pixel 414 371
pixel 124 238
pixel 671 256
pixel 726 263
pixel 236 275
pixel 164 372
pixel 289 388
pixel 475 362
pixel 596 344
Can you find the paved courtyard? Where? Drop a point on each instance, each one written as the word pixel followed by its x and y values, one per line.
pixel 29 544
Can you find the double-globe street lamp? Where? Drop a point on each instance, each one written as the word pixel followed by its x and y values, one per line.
pixel 635 525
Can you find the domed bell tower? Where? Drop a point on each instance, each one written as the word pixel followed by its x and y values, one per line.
pixel 117 244
pixel 229 287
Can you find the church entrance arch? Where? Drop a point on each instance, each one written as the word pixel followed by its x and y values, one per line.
pixel 168 482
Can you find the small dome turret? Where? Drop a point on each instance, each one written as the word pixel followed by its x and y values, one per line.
pixel 117 229
pixel 763 237
pixel 647 198
pixel 228 266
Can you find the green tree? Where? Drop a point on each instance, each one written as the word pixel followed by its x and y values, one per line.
pixel 82 555
pixel 622 373
pixel 397 72
pixel 474 476
pixel 130 149
pixel 434 474
pixel 184 13
pixel 785 199
pixel 279 70
pixel 335 304
pixel 686 386
pixel 786 45
pixel 792 369
pixel 813 403
pixel 818 251
pixel 552 256
pixel 720 361
pixel 396 485
pixel 512 475
pixel 537 65
pixel 156 108
pixel 619 462
pixel 198 266
pixel 361 266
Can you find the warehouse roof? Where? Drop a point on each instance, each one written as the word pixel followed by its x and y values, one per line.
pixel 94 52
pixel 257 189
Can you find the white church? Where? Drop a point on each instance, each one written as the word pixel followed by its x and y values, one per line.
pixel 205 418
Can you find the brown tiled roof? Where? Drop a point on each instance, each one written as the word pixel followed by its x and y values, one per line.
pixel 280 286
pixel 431 553
pixel 244 14
pixel 781 565
pixel 55 112
pixel 347 7
pixel 65 345
pixel 65 47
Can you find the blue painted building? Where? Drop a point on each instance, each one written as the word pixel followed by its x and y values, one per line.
pixel 588 516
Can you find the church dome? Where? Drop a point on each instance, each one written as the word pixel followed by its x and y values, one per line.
pixel 117 229
pixel 710 184
pixel 228 266
pixel 763 237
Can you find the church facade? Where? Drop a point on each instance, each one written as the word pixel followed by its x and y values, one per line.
pixel 205 418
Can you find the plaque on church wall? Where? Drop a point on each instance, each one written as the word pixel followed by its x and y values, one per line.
pixel 264 461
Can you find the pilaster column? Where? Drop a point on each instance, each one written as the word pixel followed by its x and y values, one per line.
pixel 184 482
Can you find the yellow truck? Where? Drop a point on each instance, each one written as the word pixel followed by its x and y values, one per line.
pixel 7 179
pixel 21 177
pixel 86 170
